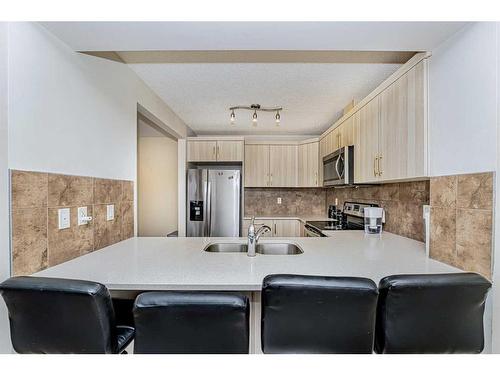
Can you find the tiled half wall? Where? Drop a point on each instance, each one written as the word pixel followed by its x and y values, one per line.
pixel 37 243
pixel 403 204
pixel 462 221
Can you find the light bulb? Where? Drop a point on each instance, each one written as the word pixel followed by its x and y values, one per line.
pixel 278 119
pixel 254 118
pixel 233 118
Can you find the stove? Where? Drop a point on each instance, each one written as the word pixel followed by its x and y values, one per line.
pixel 352 218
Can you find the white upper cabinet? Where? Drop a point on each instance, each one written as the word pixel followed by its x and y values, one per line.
pixel 283 165
pixel 214 150
pixel 230 150
pixel 257 165
pixel 308 167
pixel 201 150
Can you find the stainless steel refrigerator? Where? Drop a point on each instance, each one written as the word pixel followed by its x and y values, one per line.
pixel 213 203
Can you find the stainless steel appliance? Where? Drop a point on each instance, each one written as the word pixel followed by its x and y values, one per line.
pixel 213 203
pixel 352 219
pixel 338 167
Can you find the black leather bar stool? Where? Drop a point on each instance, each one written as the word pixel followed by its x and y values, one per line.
pixel 191 323
pixel 440 313
pixel 316 314
pixel 49 315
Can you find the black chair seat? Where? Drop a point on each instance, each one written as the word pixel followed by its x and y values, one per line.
pixel 318 314
pixel 58 316
pixel 124 336
pixel 191 323
pixel 431 314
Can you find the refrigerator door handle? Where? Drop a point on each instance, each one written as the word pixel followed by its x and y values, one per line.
pixel 209 209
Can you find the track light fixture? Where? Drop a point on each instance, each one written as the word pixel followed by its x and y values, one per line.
pixel 255 108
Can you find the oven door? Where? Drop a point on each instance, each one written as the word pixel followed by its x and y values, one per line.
pixel 334 168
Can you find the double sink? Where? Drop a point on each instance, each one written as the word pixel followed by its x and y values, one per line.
pixel 269 248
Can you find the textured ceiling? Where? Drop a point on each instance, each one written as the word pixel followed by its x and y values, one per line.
pixel 178 36
pixel 313 95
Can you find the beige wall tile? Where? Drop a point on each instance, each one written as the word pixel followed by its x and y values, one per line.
pixel 107 191
pixel 70 243
pixel 67 190
pixel 128 191
pixel 29 240
pixel 415 192
pixel 106 232
pixel 443 191
pixel 127 220
pixel 443 234
pixel 29 189
pixel 474 238
pixel 261 201
pixel 475 191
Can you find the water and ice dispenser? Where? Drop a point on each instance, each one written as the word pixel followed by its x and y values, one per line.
pixel 374 217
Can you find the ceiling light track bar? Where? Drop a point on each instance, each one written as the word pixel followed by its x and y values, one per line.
pixel 256 107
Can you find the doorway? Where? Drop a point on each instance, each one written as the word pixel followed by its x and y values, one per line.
pixel 157 180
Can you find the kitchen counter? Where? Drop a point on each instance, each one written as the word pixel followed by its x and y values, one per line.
pixel 154 263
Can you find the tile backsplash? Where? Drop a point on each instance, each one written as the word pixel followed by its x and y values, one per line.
pixel 263 201
pixel 462 221
pixel 37 243
pixel 403 204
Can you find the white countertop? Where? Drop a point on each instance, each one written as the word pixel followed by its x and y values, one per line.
pixel 155 263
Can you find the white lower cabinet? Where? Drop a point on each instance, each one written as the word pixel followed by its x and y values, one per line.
pixel 279 227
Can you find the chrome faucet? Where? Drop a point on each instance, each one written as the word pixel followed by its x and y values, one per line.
pixel 253 236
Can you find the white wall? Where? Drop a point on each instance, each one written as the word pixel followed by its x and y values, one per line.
pixel 463 102
pixel 157 186
pixel 4 187
pixel 72 113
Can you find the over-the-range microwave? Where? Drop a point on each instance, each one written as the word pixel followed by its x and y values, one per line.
pixel 338 167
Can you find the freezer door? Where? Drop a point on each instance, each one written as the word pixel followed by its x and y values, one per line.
pixel 224 203
pixel 197 205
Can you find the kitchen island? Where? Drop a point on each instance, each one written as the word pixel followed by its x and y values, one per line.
pixel 152 263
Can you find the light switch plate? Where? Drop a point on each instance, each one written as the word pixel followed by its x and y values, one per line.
pixel 279 200
pixel 110 212
pixel 82 214
pixel 64 218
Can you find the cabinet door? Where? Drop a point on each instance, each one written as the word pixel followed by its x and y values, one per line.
pixel 283 165
pixel 308 161
pixel 258 223
pixel 303 173
pixel 366 148
pixel 229 150
pixel 403 127
pixel 346 132
pixel 202 150
pixel 286 228
pixel 256 165
pixel 312 164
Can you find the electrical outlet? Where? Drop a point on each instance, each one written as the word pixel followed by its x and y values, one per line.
pixel 64 218
pixel 110 212
pixel 83 219
pixel 279 200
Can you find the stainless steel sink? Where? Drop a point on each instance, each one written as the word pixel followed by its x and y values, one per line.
pixel 226 248
pixel 269 248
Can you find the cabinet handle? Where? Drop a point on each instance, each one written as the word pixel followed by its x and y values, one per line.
pixel 316 178
pixel 375 166
pixel 379 169
pixel 275 229
pixel 218 152
pixel 213 151
pixel 271 179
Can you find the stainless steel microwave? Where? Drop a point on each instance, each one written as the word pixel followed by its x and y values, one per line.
pixel 338 167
